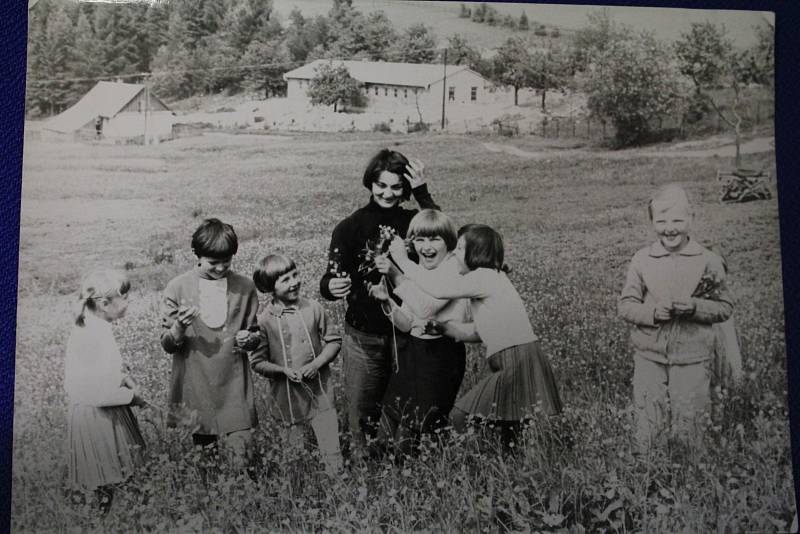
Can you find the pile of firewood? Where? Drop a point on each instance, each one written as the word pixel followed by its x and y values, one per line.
pixel 744 185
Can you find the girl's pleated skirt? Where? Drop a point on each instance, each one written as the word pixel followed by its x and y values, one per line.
pixel 104 446
pixel 521 385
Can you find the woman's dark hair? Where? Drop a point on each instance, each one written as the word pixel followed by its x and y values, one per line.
pixel 483 247
pixel 214 239
pixel 391 161
pixel 269 269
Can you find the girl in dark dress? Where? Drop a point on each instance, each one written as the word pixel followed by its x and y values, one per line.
pixel 429 368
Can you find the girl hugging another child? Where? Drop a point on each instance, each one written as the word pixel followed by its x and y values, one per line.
pixel 521 380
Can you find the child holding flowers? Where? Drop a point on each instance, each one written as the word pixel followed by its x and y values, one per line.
pixel 103 437
pixel 298 344
pixel 429 368
pixel 674 291
pixel 208 312
pixel 521 380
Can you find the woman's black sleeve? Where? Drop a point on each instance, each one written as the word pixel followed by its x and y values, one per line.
pixel 424 198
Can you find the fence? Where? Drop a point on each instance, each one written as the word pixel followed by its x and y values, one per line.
pixel 753 114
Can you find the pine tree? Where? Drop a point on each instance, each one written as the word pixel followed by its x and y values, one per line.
pixel 55 48
pixel 273 56
pixel 523 22
pixel 116 35
pixel 416 45
pixel 379 34
pixel 87 56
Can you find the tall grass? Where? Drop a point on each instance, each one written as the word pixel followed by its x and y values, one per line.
pixel 570 227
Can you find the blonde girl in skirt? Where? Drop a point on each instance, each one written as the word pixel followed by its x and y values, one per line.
pixel 104 442
pixel 521 381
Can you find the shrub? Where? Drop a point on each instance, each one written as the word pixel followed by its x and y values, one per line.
pixel 381 127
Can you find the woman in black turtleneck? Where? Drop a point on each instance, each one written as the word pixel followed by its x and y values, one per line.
pixel 367 341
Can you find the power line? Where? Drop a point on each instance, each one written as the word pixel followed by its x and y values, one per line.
pixel 285 64
pixel 163 72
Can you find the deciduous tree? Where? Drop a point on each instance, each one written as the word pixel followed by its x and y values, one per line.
pixel 707 56
pixel 333 85
pixel 634 82
pixel 512 65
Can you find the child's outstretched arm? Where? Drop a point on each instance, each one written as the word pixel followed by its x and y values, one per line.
pixel 436 284
pixel 402 320
pixel 631 305
pixel 462 331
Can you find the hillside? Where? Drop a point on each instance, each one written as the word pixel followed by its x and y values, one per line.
pixel 667 23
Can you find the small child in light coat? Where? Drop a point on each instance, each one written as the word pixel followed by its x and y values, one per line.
pixel 674 291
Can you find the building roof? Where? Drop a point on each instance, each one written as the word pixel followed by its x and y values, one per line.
pixel 105 98
pixel 382 72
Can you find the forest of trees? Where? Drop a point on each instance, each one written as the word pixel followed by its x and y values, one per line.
pixel 199 47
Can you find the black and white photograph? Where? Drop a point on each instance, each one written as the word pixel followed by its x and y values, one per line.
pixel 399 266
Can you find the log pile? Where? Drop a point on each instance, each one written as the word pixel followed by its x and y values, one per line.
pixel 744 185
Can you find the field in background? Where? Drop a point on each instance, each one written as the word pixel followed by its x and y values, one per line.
pixel 570 226
pixel 666 23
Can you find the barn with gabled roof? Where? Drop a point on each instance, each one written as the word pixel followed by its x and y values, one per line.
pixel 121 110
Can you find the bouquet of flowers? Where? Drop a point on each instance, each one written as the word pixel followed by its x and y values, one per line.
pixel 708 287
pixel 375 247
pixel 335 265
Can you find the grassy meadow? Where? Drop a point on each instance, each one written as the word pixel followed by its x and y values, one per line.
pixel 570 225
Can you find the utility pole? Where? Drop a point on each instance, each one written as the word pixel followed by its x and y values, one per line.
pixel 146 106
pixel 444 86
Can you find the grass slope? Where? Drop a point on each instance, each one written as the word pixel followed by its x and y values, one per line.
pixel 666 23
pixel 570 227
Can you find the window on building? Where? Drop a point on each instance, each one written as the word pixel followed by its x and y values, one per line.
pixel 376 91
pixel 451 93
pixel 473 94
pixel 395 92
pixel 405 93
pixel 385 91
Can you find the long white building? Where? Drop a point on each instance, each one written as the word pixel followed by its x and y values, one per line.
pixel 399 85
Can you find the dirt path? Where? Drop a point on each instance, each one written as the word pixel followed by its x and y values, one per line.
pixel 682 150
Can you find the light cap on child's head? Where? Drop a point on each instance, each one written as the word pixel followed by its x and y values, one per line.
pixel 666 197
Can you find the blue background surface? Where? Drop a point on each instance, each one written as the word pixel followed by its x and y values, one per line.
pixel 13 24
